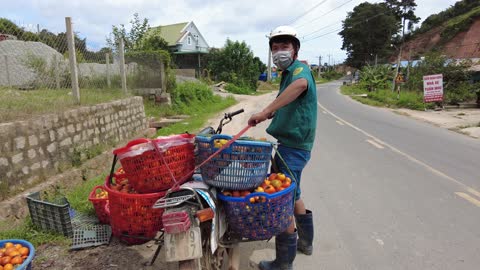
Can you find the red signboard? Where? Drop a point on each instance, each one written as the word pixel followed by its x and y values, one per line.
pixel 433 88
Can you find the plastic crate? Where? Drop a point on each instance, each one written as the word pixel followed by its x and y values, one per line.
pixel 261 220
pixel 91 236
pixel 27 263
pixel 243 165
pixel 154 165
pixel 54 216
pixel 132 218
pixel 99 205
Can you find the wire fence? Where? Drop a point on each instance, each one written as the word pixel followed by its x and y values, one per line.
pixel 41 59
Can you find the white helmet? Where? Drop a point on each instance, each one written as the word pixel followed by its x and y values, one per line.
pixel 286 31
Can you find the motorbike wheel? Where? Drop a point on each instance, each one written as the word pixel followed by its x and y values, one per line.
pixel 216 261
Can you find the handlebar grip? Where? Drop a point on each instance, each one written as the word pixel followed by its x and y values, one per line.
pixel 232 114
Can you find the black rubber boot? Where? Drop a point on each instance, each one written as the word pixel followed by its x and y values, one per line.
pixel 305 232
pixel 286 250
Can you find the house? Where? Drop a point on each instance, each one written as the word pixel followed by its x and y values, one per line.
pixel 186 44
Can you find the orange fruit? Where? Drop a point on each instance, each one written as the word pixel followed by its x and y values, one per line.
pixel 272 176
pixel 281 176
pixel 3 250
pixel 260 189
pixel 8 266
pixel 14 253
pixel 270 189
pixel 16 260
pixel 18 246
pixel 24 251
pixel 1 267
pixel 244 193
pixel 276 183
pixel 236 193
pixel 5 260
pixel 10 250
pixel 279 189
pixel 8 245
pixel 252 200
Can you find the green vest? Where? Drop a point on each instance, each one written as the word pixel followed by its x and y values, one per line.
pixel 294 125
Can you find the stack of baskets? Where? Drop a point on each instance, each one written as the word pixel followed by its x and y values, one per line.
pixel 244 166
pixel 151 167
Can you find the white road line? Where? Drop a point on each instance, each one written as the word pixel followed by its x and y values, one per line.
pixel 324 112
pixel 340 123
pixel 428 167
pixel 468 198
pixel 474 192
pixel 372 142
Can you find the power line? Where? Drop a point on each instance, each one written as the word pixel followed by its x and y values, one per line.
pixel 308 11
pixel 328 12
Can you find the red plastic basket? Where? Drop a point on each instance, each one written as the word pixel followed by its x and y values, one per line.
pixel 132 217
pixel 99 205
pixel 155 165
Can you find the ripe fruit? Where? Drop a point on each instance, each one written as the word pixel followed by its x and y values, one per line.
pixel 276 183
pixel 17 246
pixel 8 245
pixel 272 176
pixel 279 189
pixel 4 260
pixel 252 200
pixel 236 193
pixel 260 189
pixel 270 189
pixel 24 251
pixel 8 266
pixel 227 193
pixel 245 193
pixel 16 260
pixel 13 253
pixel 281 176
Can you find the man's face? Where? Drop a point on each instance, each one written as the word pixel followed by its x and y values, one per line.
pixel 282 46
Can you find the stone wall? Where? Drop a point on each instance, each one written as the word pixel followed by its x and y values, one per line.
pixel 33 150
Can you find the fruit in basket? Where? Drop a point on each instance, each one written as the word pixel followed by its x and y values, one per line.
pixel 272 176
pixel 276 183
pixel 227 193
pixel 5 260
pixel 260 189
pixel 236 193
pixel 270 189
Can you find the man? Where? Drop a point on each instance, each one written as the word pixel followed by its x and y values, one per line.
pixel 294 114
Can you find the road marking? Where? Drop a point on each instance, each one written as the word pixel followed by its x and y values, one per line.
pixel 324 112
pixel 340 123
pixel 372 142
pixel 428 167
pixel 468 198
pixel 474 192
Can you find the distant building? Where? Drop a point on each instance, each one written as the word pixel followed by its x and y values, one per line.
pixel 185 42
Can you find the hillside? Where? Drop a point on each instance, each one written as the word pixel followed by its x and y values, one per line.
pixel 457 36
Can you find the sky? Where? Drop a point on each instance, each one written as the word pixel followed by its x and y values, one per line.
pixel 317 21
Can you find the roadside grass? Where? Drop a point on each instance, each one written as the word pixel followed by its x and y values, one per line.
pixel 386 98
pixel 20 104
pixel 199 114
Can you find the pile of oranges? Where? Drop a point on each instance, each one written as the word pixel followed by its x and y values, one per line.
pixel 12 255
pixel 275 182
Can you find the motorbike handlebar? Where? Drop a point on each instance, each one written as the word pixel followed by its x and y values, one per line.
pixel 232 114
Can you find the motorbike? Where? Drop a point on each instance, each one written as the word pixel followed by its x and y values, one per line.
pixel 195 232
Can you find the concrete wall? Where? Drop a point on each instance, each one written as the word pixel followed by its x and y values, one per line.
pixel 33 150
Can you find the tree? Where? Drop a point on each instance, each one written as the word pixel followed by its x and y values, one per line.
pixel 132 39
pixel 235 63
pixel 367 33
pixel 153 41
pixel 404 10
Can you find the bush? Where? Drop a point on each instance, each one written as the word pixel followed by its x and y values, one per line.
pixel 331 75
pixel 188 93
pixel 375 77
pixel 242 90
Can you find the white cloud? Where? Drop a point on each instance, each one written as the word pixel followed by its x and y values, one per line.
pixel 247 20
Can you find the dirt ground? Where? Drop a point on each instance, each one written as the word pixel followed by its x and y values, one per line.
pixel 120 256
pixel 465 121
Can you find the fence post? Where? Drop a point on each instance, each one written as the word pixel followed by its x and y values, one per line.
pixel 57 70
pixel 73 60
pixel 107 58
pixel 163 77
pixel 8 72
pixel 123 75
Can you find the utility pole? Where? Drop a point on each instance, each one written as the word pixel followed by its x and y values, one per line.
pixel 376 59
pixel 400 54
pixel 319 65
pixel 269 68
pixel 329 61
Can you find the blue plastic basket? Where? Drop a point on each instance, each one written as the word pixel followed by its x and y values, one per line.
pixel 241 166
pixel 27 264
pixel 261 220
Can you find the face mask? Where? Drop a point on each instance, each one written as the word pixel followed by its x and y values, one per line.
pixel 282 59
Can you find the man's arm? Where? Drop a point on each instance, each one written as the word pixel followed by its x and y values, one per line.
pixel 291 93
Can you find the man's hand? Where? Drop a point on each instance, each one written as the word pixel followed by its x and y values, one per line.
pixel 259 117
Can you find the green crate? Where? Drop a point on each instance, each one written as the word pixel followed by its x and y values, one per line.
pixel 54 216
pixel 91 236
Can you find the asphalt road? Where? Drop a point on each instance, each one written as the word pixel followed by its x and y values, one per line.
pixel 388 192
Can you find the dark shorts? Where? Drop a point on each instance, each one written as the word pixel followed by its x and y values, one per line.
pixel 295 159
